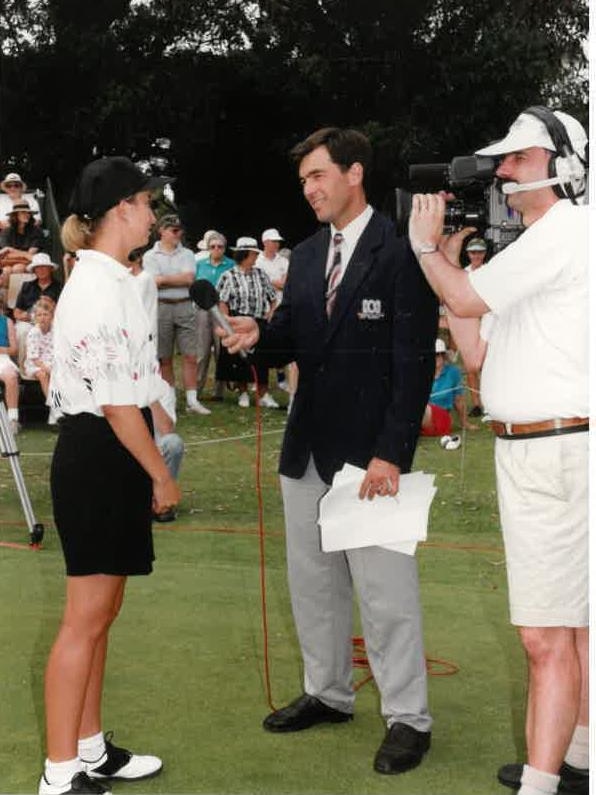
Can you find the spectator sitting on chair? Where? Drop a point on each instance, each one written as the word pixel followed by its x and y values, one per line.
pixel 19 241
pixel 446 395
pixel 39 348
pixel 9 372
pixel 14 189
pixel 44 285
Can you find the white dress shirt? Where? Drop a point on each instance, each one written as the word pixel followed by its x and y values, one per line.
pixel 351 235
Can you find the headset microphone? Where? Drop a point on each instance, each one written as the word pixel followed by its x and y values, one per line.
pixel 517 187
pixel 204 295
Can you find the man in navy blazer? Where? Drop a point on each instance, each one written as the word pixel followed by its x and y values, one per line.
pixel 360 321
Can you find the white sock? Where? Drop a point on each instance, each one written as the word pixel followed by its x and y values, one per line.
pixel 13 414
pixel 91 749
pixel 538 782
pixel 578 753
pixel 61 773
pixel 191 397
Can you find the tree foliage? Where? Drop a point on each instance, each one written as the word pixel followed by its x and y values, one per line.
pixel 233 85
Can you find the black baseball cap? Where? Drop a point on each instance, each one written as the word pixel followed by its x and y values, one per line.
pixel 105 182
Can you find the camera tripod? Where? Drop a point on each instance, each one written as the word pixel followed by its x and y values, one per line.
pixel 8 449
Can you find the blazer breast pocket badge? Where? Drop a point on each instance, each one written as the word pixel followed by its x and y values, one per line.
pixel 371 309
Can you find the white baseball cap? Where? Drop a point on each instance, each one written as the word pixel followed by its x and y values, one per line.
pixel 271 234
pixel 527 131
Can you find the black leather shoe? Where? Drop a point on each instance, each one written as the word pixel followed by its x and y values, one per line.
pixel 574 781
pixel 402 749
pixel 302 713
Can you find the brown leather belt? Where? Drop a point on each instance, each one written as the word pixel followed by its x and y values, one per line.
pixel 532 430
pixel 172 300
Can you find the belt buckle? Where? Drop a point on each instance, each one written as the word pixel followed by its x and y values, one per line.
pixel 508 428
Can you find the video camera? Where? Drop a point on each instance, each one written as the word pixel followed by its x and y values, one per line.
pixel 478 201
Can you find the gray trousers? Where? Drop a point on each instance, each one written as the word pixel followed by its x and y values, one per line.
pixel 321 590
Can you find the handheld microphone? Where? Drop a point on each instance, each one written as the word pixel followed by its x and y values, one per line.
pixel 204 295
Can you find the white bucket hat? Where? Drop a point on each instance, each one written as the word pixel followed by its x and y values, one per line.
pixel 40 259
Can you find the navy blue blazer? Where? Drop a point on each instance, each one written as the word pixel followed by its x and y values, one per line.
pixel 366 372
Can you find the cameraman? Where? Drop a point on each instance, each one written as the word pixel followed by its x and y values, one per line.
pixel 535 387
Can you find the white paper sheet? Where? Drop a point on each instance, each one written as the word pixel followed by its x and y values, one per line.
pixel 396 523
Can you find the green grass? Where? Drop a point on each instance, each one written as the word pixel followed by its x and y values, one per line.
pixel 185 675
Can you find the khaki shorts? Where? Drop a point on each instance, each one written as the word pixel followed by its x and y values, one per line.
pixel 176 324
pixel 543 500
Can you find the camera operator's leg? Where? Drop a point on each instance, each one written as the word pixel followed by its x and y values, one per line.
pixel 553 701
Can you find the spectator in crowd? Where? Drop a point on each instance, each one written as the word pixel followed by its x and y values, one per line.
pixel 247 291
pixel 14 189
pixel 69 260
pixel 19 242
pixel 147 288
pixel 447 394
pixel 170 445
pixel 39 355
pixel 107 474
pixel 276 267
pixel 210 268
pixel 44 285
pixel 172 266
pixel 476 252
pixel 203 246
pixel 9 372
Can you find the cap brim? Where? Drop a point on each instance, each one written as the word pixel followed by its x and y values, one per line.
pixel 514 142
pixel 156 183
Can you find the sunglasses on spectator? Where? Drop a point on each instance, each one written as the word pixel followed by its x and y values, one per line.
pixel 175 229
pixel 216 245
pixel 13 184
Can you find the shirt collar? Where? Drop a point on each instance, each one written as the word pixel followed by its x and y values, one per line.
pixel 352 231
pixel 115 268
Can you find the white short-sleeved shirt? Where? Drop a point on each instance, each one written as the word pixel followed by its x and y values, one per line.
pixel 536 365
pixel 104 353
pixel 275 268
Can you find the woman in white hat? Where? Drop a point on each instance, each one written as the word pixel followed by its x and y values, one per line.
pixel 245 290
pixel 14 189
pixel 19 241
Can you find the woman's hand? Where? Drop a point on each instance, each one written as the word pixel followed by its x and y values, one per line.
pixel 166 495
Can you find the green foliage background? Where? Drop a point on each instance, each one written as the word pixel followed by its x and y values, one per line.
pixel 234 85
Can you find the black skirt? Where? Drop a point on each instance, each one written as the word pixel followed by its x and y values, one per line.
pixel 101 499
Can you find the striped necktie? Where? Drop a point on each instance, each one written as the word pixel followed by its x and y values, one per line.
pixel 334 276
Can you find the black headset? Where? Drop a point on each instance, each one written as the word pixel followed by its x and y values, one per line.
pixel 567 164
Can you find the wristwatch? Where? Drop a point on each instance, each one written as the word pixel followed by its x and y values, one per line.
pixel 426 248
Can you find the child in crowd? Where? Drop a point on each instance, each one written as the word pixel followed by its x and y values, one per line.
pixel 9 372
pixel 40 352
